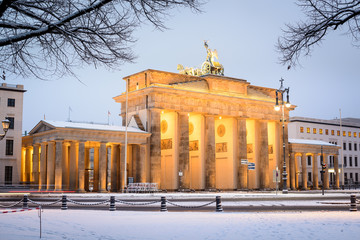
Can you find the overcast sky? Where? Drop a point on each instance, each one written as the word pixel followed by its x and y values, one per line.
pixel 244 34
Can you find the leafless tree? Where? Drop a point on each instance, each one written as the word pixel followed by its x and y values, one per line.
pixel 322 17
pixel 45 38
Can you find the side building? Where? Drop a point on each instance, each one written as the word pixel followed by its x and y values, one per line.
pixel 11 108
pixel 346 135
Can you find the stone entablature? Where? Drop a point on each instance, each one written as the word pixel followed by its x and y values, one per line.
pixel 164 92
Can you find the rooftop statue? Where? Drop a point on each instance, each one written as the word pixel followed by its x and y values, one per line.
pixel 210 66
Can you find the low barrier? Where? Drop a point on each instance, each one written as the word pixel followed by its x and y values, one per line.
pixel 20 210
pixel 64 200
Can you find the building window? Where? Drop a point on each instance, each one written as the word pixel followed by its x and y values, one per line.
pixel 350 161
pixel 308 130
pixel 309 160
pixel 8 175
pixel 314 130
pixel 331 159
pixel 309 176
pixel 320 131
pixel 356 162
pixel 355 135
pixel 9 147
pixel 338 132
pixel 356 178
pixel 333 132
pixel 351 177
pixel 12 120
pixel 345 178
pixel 349 146
pixel 344 133
pixel 301 129
pixel 11 102
pixel 344 146
pixel 355 147
pixel 345 161
pixel 327 131
pixel 349 134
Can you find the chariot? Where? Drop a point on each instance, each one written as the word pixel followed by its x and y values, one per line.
pixel 211 66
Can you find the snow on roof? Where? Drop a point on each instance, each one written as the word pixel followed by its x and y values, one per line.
pixel 311 142
pixel 90 126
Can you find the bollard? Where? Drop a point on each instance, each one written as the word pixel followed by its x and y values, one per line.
pixel 218 204
pixel 112 203
pixel 163 205
pixel 63 203
pixel 353 207
pixel 25 202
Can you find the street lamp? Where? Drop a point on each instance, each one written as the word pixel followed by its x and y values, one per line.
pixel 5 125
pixel 277 107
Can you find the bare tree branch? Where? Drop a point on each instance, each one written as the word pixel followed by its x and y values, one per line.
pixel 322 16
pixel 45 38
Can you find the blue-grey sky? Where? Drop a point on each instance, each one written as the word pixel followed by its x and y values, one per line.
pixel 244 34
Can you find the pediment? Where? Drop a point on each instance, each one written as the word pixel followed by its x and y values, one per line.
pixel 135 122
pixel 42 126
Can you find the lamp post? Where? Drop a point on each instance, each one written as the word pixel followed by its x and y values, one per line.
pixel 281 106
pixel 5 125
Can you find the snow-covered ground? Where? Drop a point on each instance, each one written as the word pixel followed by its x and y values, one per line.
pixel 86 224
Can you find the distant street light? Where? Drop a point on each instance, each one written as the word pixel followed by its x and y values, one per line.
pixel 277 107
pixel 5 125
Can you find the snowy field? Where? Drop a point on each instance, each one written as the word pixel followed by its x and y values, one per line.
pixel 84 224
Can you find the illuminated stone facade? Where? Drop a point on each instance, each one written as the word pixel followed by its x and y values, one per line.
pixel 185 132
pixel 305 164
pixel 201 128
pixel 58 156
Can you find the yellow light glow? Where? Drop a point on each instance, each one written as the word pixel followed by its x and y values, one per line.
pixel 188 114
pixel 220 117
pixel 277 108
pixel 288 105
pixel 162 112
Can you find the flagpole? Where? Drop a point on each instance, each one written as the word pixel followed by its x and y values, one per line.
pixel 69 114
pixel 342 153
pixel 126 127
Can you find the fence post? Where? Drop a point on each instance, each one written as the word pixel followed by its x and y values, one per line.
pixel 163 205
pixel 218 204
pixel 112 203
pixel 64 203
pixel 25 202
pixel 353 207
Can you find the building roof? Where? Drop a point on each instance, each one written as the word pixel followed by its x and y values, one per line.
pixel 345 122
pixel 88 126
pixel 309 141
pixel 12 87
